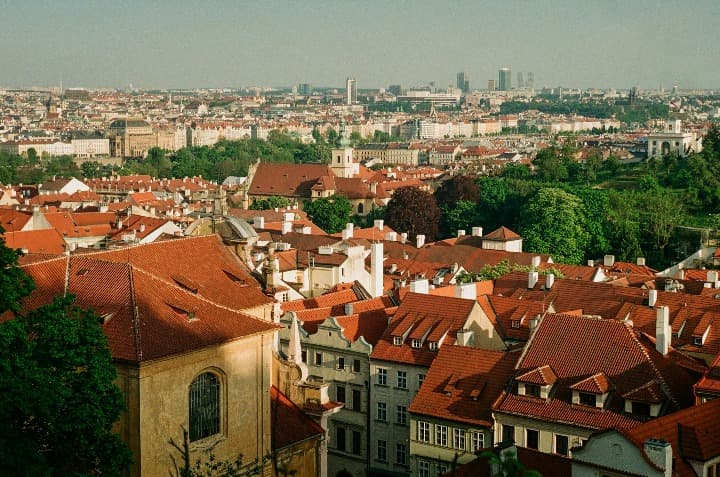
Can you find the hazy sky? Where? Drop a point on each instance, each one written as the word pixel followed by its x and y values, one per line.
pixel 206 43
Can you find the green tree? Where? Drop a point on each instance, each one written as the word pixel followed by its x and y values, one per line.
pixel 90 169
pixel 553 222
pixel 329 213
pixel 58 402
pixel 413 211
pixel 551 166
pixel 271 203
pixel 461 215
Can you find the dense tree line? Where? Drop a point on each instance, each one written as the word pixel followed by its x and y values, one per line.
pixel 639 112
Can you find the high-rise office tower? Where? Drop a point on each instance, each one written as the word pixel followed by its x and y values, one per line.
pixel 351 88
pixel 504 79
pixel 463 82
pixel 530 80
pixel 492 85
pixel 520 80
pixel 305 89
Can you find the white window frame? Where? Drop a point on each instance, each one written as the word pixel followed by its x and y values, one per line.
pixel 441 435
pixel 382 376
pixel 381 411
pixel 459 441
pixel 424 431
pixel 402 379
pixel 401 415
pixel 478 441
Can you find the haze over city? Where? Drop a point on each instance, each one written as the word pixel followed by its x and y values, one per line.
pixel 274 43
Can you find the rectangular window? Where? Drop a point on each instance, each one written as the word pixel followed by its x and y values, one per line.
pixel 442 469
pixel 356 442
pixel 382 377
pixel 441 435
pixel 423 468
pixel 415 343
pixel 402 379
pixel 421 380
pixel 303 356
pixel 318 359
pixel 478 441
pixel 356 400
pixel 341 363
pixel 641 409
pixel 382 450
pixel 532 438
pixel 356 365
pixel 340 393
pixel 532 390
pixel 423 431
pixel 401 415
pixel 588 399
pixel 508 433
pixel 561 444
pixel 340 439
pixel 401 454
pixel 397 340
pixel 459 439
pixel 381 412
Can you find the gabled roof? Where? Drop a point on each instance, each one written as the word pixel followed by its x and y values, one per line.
pixel 598 383
pixel 36 241
pixel 542 376
pixel 286 180
pixel 462 383
pixel 502 234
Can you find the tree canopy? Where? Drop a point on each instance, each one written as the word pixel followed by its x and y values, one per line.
pixel 329 213
pixel 413 211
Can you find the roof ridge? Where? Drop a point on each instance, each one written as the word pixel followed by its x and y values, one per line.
pixel 661 379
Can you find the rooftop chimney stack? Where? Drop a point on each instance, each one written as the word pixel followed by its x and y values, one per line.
pixel 652 298
pixel 549 280
pixel 461 233
pixel 467 291
pixel 379 224
pixel 640 261
pixel 477 231
pixel 663 333
pixel 536 261
pixel 532 279
pixel 259 222
pixel 403 237
pixel 419 240
pixel 286 227
pixel 376 269
pixel 420 286
pixel 609 260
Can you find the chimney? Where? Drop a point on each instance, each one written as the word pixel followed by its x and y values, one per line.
pixel 373 187
pixel 712 277
pixel 420 286
pixel 591 263
pixel 640 261
pixel 288 216
pixel 663 333
pixel 549 280
pixel 419 240
pixel 379 224
pixel 532 279
pixel 536 261
pixel 403 237
pixel 609 260
pixel 286 227
pixel 660 453
pixel 142 228
pixel 391 236
pixel 461 233
pixel 348 308
pixel 467 291
pixel 376 269
pixel 477 231
pixel 347 234
pixel 259 222
pixel 652 298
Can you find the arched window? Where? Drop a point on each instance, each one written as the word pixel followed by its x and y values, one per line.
pixel 204 406
pixel 360 208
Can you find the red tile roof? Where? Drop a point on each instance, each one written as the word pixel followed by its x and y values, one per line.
pixel 289 423
pixel 502 234
pixel 286 180
pixel 462 383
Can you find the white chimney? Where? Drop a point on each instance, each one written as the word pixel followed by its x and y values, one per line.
pixel 461 233
pixel 712 277
pixel 549 280
pixel 379 224
pixel 609 260
pixel 391 236
pixel 663 333
pixel 419 240
pixel 536 261
pixel 477 231
pixel 467 291
pixel 142 228
pixel 376 269
pixel 420 286
pixel 259 222
pixel 288 216
pixel 403 237
pixel 640 261
pixel 532 279
pixel 652 298
pixel 660 453
pixel 286 228
pixel 347 234
pixel 591 263
pixel 350 227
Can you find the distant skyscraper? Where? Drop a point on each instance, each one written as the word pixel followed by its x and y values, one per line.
pixel 395 89
pixel 492 85
pixel 530 80
pixel 351 91
pixel 520 80
pixel 463 82
pixel 305 89
pixel 504 79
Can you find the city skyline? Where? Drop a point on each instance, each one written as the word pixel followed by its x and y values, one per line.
pixel 176 45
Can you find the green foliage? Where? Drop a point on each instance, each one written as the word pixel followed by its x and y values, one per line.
pixel 58 402
pixel 378 213
pixel 456 189
pixel 461 215
pixel 639 112
pixel 15 284
pixel 507 466
pixel 554 223
pixel 413 211
pixel 492 272
pixel 271 203
pixel 329 213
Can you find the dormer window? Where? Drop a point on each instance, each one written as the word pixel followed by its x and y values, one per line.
pixel 515 323
pixel 433 345
pixel 416 343
pixel 532 390
pixel 697 340
pixel 588 399
pixel 397 340
pixel 641 409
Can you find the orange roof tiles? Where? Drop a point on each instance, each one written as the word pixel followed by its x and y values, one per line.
pixel 289 423
pixel 36 241
pixel 286 180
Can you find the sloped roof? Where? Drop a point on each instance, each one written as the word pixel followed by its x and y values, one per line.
pixel 36 241
pixel 462 383
pixel 289 423
pixel 502 234
pixel 286 180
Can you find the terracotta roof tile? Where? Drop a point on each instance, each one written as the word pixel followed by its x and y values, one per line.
pixel 289 423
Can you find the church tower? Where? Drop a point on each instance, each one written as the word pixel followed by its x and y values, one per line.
pixel 342 158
